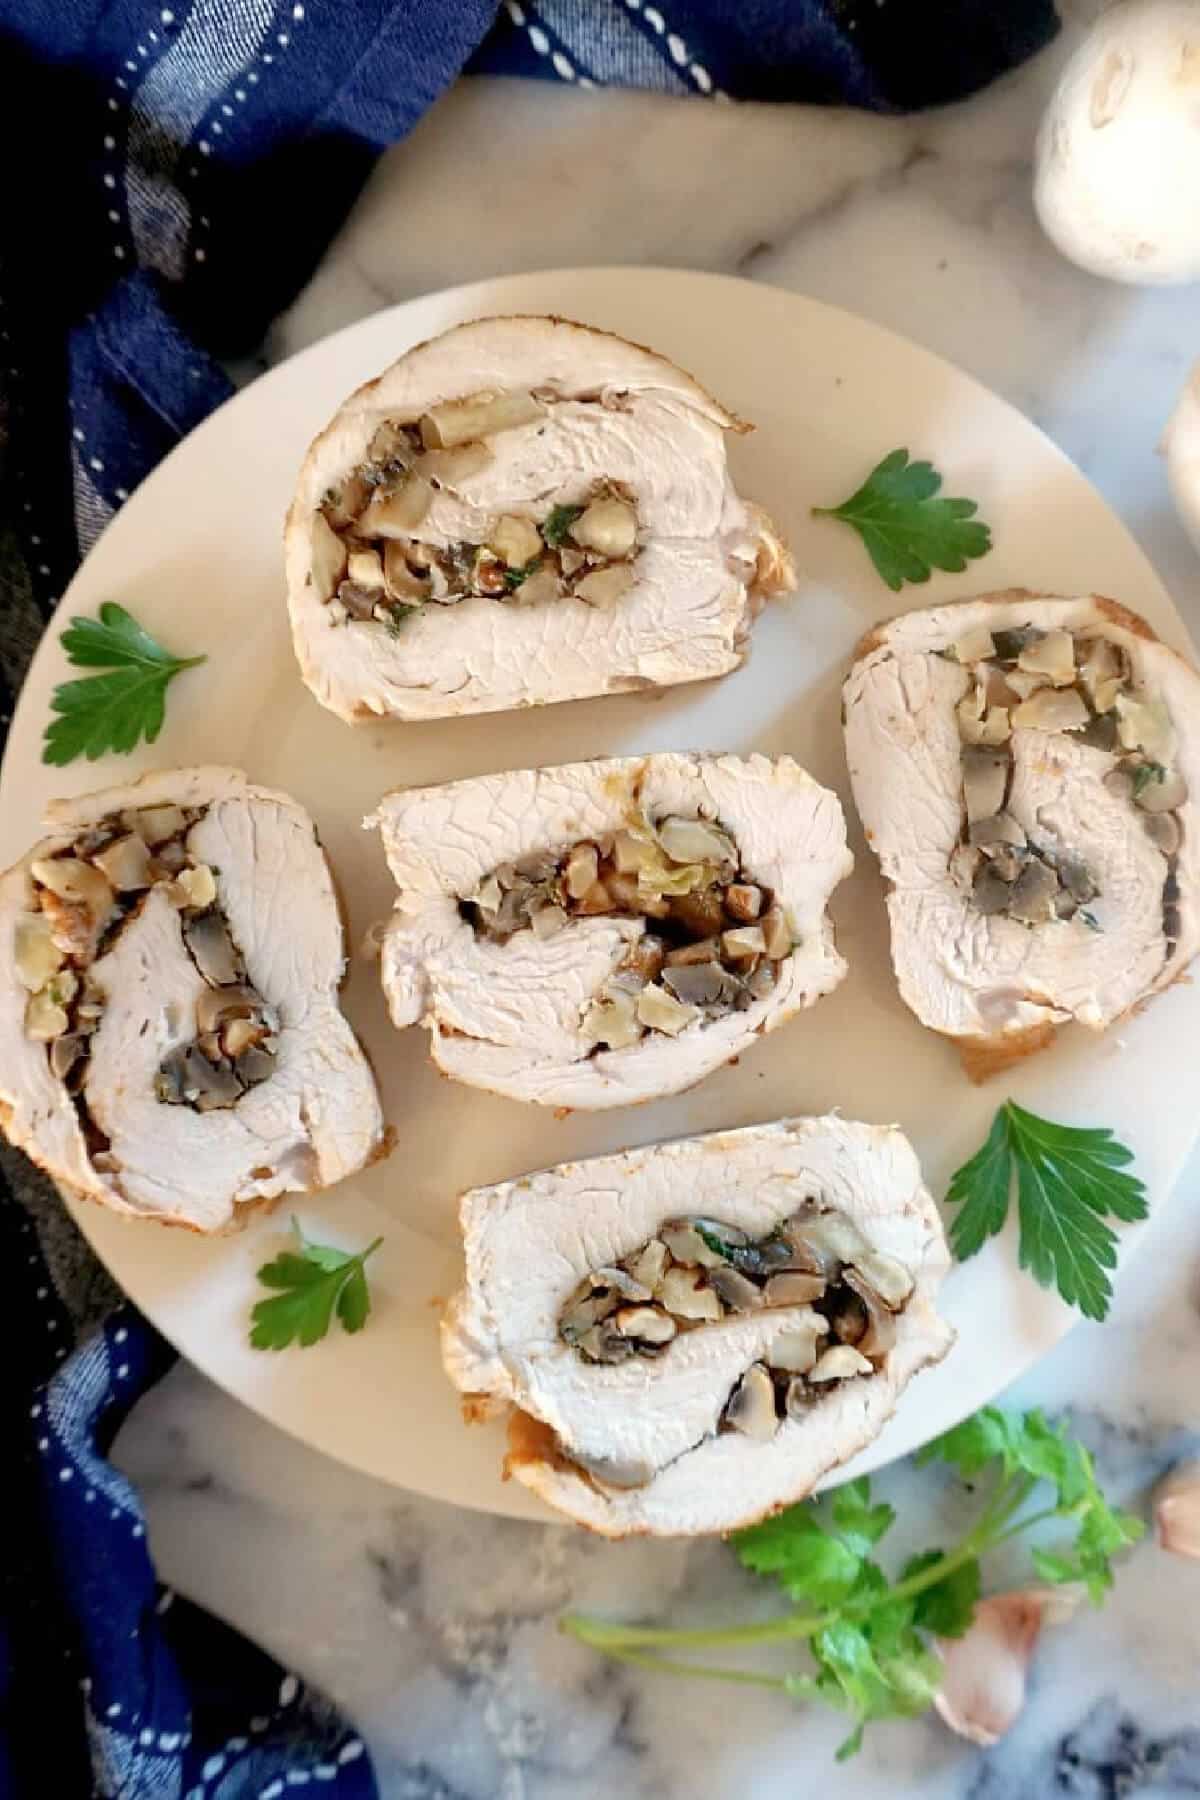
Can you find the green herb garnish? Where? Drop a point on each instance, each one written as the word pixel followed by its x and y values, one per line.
pixel 398 614
pixel 315 1282
pixel 1069 1183
pixel 1144 773
pixel 514 577
pixel 871 1640
pixel 907 531
pixel 557 524
pixel 110 712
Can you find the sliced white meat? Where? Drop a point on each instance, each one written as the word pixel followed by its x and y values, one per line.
pixel 312 1121
pixel 997 985
pixel 612 413
pixel 510 1016
pixel 658 1421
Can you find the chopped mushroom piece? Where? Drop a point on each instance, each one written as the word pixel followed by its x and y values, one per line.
pixel 1052 655
pixel 395 512
pixel 751 1407
pixel 328 559
pixel 479 416
pixel 366 568
pixel 36 955
pixel 125 863
pixel 684 1293
pixel 44 1017
pixel 608 526
pixel 985 781
pixel 450 468
pixel 660 1010
pixel 604 587
pixel 795 1351
pixel 1052 709
pixel 838 1364
pixel 515 540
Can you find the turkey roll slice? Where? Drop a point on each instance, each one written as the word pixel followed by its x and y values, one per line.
pixel 609 932
pixel 521 511
pixel 691 1335
pixel 170 1040
pixel 1026 770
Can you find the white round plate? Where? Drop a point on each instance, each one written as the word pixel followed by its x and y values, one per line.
pixel 195 555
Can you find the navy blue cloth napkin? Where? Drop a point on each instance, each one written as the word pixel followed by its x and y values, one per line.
pixel 172 174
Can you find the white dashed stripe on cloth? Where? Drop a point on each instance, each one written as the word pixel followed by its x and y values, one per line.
pixel 92 511
pixel 676 48
pixel 562 65
pixel 603 43
pixel 217 40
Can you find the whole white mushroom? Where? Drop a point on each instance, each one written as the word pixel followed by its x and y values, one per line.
pixel 1117 183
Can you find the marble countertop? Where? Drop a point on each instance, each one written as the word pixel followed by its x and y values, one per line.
pixel 435 1627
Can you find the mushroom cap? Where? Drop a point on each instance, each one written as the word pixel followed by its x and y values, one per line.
pixel 1118 152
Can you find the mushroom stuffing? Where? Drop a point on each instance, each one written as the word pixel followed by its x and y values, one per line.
pixel 522 511
pixel 172 1045
pixel 677 1373
pixel 1024 769
pixel 608 932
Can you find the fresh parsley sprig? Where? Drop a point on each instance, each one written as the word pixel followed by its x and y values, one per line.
pixel 909 529
pixel 871 1641
pixel 1069 1182
pixel 315 1282
pixel 113 711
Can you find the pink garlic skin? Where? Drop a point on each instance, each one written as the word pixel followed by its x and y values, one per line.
pixel 1177 1510
pixel 983 1672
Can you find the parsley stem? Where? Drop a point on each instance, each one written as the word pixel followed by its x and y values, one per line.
pixel 614 1638
pixel 603 1635
pixel 1050 1512
pixel 672 1666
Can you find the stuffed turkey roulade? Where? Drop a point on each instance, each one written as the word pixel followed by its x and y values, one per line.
pixel 691 1335
pixel 170 1039
pixel 520 511
pixel 1026 770
pixel 609 932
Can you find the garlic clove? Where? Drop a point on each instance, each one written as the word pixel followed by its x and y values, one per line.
pixel 983 1672
pixel 1177 1510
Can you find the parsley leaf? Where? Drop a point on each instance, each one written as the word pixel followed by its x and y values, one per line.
pixel 1144 774
pixel 112 711
pixel 398 614
pixel 558 522
pixel 314 1283
pixel 907 528
pixel 807 1561
pixel 1070 1181
pixel 514 577
pixel 860 1525
pixel 947 1607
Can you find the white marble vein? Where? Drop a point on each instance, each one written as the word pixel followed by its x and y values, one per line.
pixel 436 1627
